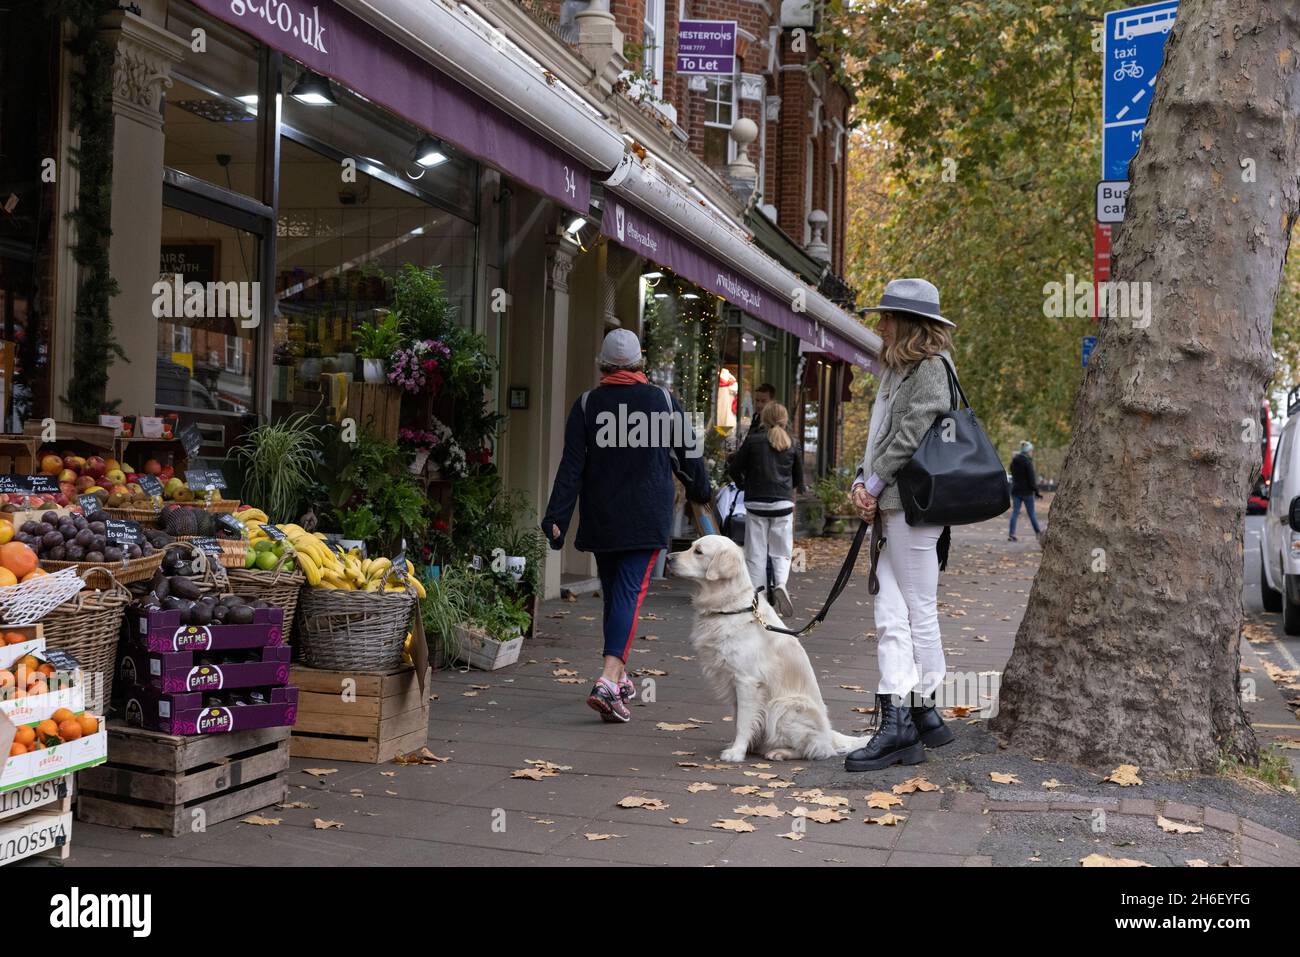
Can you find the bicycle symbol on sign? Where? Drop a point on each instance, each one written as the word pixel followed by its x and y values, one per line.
pixel 1129 68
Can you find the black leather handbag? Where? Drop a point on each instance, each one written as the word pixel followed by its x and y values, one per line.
pixel 955 476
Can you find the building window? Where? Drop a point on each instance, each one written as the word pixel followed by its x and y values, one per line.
pixel 235 355
pixel 652 63
pixel 719 116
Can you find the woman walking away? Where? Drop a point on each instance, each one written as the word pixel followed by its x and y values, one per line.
pixel 1024 488
pixel 768 466
pixel 913 389
pixel 623 486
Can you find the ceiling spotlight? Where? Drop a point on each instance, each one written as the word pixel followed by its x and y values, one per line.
pixel 428 152
pixel 652 275
pixel 313 90
pixel 576 226
pixel 689 295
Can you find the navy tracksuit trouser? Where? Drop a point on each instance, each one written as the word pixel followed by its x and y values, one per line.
pixel 624 579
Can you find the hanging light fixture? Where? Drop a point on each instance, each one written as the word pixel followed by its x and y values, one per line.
pixel 429 152
pixel 313 90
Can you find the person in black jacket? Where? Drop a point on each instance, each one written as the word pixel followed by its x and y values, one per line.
pixel 623 443
pixel 768 467
pixel 1024 488
pixel 764 394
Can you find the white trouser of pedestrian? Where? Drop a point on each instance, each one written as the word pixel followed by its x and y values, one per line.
pixel 768 537
pixel 908 645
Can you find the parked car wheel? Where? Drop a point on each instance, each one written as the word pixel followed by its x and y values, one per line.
pixel 1291 608
pixel 1270 597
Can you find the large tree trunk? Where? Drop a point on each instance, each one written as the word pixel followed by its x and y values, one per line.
pixel 1129 649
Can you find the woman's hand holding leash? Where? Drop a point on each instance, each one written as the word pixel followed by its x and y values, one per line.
pixel 864 502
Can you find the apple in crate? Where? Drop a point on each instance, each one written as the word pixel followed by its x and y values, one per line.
pixel 51 464
pixel 74 462
pixel 95 466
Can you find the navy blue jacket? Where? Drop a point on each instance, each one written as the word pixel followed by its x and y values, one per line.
pixel 624 492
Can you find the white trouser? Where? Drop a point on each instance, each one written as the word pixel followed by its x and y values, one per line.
pixel 768 537
pixel 908 646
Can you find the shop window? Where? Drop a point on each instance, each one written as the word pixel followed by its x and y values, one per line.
pixel 719 117
pixel 210 112
pixel 29 127
pixel 338 248
pixel 203 325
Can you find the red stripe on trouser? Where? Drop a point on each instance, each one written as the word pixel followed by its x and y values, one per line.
pixel 636 609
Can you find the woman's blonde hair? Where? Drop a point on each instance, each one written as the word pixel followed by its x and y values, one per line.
pixel 776 420
pixel 914 339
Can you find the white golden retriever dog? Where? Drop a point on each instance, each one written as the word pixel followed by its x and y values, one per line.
pixel 779 709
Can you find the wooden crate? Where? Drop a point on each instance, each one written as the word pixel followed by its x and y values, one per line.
pixel 46 832
pixel 158 781
pixel 18 454
pixel 381 716
pixel 376 408
pixel 94 438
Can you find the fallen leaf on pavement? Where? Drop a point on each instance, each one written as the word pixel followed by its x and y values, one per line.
pixel 887 819
pixel 678 820
pixel 699 786
pixel 1102 860
pixel 791 836
pixel 824 815
pixel 883 800
pixel 262 821
pixel 1177 827
pixel 1126 775
pixel 290 805
pixel 320 772
pixel 323 825
pixel 650 804
pixel 1196 862
pixel 729 824
pixel 1051 784
pixel 999 778
pixel 746 789
pixel 815 796
pixel 762 810
pixel 423 756
pixel 915 784
pixel 668 726
pixel 601 837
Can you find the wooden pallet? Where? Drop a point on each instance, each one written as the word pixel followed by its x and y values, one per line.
pixel 376 408
pixel 161 781
pixel 379 717
pixel 46 833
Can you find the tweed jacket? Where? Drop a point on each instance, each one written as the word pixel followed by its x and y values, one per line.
pixel 921 396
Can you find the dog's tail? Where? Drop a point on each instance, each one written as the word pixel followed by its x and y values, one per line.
pixel 844 744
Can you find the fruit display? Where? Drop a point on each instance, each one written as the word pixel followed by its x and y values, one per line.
pixel 60 728
pixel 72 538
pixel 186 520
pixel 115 484
pixel 26 677
pixel 180 592
pixel 266 556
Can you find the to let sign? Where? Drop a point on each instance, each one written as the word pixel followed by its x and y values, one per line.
pixel 706 47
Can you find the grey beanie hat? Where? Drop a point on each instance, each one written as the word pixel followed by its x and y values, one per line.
pixel 620 349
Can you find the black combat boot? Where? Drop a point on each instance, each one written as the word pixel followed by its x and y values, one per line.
pixel 896 740
pixel 929 724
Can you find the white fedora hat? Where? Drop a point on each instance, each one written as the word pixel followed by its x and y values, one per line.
pixel 915 296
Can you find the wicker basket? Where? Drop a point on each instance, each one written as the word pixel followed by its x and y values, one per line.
pixel 275 586
pixel 212 578
pixel 353 630
pixel 88 627
pixel 234 551
pixel 144 516
pixel 124 573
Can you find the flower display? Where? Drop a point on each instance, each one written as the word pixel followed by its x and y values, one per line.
pixel 419 367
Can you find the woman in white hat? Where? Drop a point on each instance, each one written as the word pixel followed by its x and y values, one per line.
pixel 912 390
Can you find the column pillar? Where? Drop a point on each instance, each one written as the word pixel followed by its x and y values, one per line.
pixel 555 409
pixel 145 55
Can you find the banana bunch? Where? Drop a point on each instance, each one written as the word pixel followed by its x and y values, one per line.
pixel 351 572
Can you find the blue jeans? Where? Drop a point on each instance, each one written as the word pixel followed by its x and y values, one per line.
pixel 1015 512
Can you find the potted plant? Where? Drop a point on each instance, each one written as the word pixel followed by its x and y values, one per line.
pixel 279 463
pixel 832 490
pixel 376 342
pixel 493 635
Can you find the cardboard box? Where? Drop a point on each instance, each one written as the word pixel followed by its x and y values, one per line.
pixel 34 643
pixel 49 763
pixel 187 714
pixel 163 631
pixel 35 833
pixel 183 671
pixel 65 685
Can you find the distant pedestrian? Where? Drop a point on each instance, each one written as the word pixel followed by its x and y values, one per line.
pixel 1024 488
pixel 764 394
pixel 623 487
pixel 768 467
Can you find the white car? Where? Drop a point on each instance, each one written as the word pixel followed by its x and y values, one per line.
pixel 1279 542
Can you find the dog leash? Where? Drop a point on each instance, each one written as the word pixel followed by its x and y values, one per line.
pixel 841 581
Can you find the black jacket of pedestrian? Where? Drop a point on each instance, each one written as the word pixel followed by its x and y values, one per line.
pixel 624 493
pixel 1024 481
pixel 763 473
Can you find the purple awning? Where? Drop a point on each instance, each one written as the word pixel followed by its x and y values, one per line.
pixel 337 44
pixel 643 234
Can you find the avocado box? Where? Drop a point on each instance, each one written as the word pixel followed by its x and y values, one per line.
pixel 162 631
pixel 182 671
pixel 203 712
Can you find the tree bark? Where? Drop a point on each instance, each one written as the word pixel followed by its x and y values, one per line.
pixel 1130 646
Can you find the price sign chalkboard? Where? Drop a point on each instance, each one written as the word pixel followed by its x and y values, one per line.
pixel 231 524
pixel 192 439
pixel 89 503
pixel 209 545
pixel 274 534
pixel 122 532
pixel 61 660
pixel 196 478
pixel 216 479
pixel 150 485
pixel 399 565
pixel 43 484
pixel 14 483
